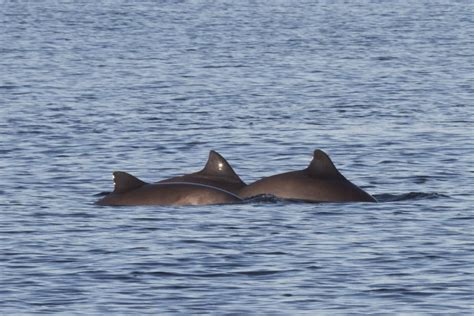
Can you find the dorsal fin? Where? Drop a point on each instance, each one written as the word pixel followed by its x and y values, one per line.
pixel 125 182
pixel 322 167
pixel 217 166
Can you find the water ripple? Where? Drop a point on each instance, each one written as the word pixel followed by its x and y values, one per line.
pixel 151 87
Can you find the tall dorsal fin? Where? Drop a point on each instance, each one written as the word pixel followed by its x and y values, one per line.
pixel 125 182
pixel 322 167
pixel 217 166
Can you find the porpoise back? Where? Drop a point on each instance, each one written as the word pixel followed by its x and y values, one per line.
pixel 319 182
pixel 217 173
pixel 130 190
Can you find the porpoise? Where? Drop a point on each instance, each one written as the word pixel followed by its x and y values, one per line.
pixel 130 190
pixel 319 182
pixel 217 173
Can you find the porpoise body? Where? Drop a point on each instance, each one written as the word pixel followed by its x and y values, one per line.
pixel 130 190
pixel 216 173
pixel 319 182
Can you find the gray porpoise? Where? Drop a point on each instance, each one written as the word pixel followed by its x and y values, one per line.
pixel 216 173
pixel 319 182
pixel 130 190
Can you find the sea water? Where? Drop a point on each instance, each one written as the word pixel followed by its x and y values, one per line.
pixel 149 87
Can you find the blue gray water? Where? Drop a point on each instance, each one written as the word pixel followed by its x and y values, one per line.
pixel 149 87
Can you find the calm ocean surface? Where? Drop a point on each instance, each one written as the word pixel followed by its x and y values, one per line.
pixel 149 87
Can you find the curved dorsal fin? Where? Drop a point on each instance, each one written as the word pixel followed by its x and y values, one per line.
pixel 217 166
pixel 322 167
pixel 125 182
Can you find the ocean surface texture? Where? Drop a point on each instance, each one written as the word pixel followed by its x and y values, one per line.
pixel 386 88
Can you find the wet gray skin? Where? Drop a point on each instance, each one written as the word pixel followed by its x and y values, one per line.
pixel 319 182
pixel 130 190
pixel 217 173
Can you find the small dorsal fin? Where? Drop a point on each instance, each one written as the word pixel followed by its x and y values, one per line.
pixel 125 182
pixel 217 166
pixel 322 167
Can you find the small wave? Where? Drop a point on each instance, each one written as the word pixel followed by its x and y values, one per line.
pixel 8 87
pixel 260 272
pixel 263 198
pixel 270 253
pixel 224 66
pixel 411 196
pixel 385 58
pixel 399 291
pixel 212 274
